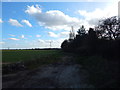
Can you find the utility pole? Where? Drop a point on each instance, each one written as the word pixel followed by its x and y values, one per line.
pixel 50 44
pixel 72 33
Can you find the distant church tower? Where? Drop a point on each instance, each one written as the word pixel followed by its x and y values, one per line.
pixel 72 34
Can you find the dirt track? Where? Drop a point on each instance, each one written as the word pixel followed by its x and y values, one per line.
pixel 64 74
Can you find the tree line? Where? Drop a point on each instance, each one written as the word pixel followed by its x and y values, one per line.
pixel 103 39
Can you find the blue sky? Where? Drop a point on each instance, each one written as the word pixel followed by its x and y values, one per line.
pixel 35 24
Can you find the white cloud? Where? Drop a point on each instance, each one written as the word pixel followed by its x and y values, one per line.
pixel 22 36
pixel 64 34
pixel 1 20
pixel 59 35
pixel 94 16
pixel 27 23
pixel 38 35
pixel 14 39
pixel 41 41
pixel 12 35
pixel 52 34
pixel 57 20
pixel 33 10
pixel 14 22
pixel 54 43
pixel 53 19
pixel 2 42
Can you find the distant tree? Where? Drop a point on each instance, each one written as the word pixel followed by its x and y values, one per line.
pixel 92 34
pixel 109 28
pixel 81 31
pixel 91 41
pixel 64 45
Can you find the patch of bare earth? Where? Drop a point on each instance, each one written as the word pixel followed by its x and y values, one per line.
pixel 65 74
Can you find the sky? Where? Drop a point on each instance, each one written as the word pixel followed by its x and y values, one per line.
pixel 36 24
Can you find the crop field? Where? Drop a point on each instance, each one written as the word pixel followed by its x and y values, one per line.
pixel 31 58
pixel 11 56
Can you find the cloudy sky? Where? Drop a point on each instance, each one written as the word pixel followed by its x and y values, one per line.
pixel 36 24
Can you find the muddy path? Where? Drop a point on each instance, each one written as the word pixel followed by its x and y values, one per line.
pixel 65 74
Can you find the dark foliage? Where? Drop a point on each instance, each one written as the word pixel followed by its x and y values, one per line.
pixel 109 28
pixel 104 40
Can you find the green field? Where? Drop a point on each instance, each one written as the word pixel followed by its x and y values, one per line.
pixel 31 58
pixel 11 56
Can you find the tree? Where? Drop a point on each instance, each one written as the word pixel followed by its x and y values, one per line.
pixel 92 33
pixel 65 45
pixel 81 31
pixel 109 28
